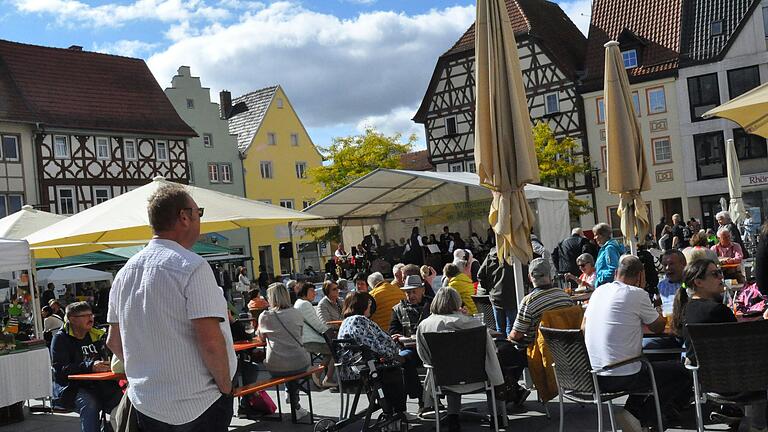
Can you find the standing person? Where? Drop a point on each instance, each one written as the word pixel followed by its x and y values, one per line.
pixel 608 257
pixel 385 297
pixel 659 229
pixel 417 251
pixel 498 280
pixel 48 294
pixel 169 324
pixel 371 243
pixel 428 275
pixel 242 279
pixel 444 237
pixel 566 252
pixel 665 241
pixel 457 278
pixel 263 279
pixel 51 321
pixel 679 229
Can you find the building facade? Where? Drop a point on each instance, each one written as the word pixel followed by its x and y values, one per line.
pixel 648 35
pixel 79 128
pixel 213 157
pixel 723 55
pixel 551 51
pixel 277 153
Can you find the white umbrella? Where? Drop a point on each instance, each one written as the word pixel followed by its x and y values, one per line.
pixel 27 221
pixel 736 207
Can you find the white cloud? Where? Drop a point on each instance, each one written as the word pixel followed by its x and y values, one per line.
pixel 73 12
pixel 374 66
pixel 579 11
pixel 397 120
pixel 127 48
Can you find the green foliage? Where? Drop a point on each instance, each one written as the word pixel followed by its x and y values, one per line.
pixel 350 158
pixel 557 164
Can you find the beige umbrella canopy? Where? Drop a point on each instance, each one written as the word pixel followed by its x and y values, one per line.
pixel 123 220
pixel 736 208
pixel 627 168
pixel 26 221
pixel 504 152
pixel 749 110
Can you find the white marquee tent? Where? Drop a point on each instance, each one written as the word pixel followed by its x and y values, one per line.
pixel 394 201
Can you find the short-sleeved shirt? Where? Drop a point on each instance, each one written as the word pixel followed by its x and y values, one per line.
pixel 533 306
pixel 667 291
pixel 699 311
pixel 154 297
pixel 613 331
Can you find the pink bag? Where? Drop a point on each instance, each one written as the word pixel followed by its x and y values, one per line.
pixel 261 403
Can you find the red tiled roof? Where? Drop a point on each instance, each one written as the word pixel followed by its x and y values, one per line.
pixel 655 22
pixel 84 90
pixel 416 161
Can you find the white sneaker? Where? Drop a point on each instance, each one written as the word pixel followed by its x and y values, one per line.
pixel 627 422
pixel 301 413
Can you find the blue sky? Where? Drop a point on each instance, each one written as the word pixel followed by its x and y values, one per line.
pixel 345 64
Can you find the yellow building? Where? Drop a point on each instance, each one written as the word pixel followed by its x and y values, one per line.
pixel 277 152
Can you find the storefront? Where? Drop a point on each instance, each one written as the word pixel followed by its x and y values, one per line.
pixel 754 195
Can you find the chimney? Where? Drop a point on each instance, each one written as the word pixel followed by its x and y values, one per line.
pixel 75 48
pixel 225 103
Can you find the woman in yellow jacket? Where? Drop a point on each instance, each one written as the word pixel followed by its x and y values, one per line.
pixel 458 279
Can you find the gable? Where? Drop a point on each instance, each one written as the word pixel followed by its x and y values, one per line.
pixel 698 42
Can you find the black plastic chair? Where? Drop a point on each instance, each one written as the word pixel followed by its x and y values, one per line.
pixel 577 380
pixel 484 306
pixel 458 357
pixel 731 363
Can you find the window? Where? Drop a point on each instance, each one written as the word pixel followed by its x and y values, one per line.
pixel 301 170
pixel 600 110
pixel 129 148
pixel 630 58
pixel 450 125
pixel 266 169
pixel 472 168
pixel 657 100
pixel 636 103
pixel 15 202
pixel 161 149
pixel 60 147
pixel 662 150
pixel 742 80
pixel 305 204
pixel 67 203
pixel 207 140
pixel 191 171
pixel 552 103
pixel 11 148
pixel 225 170
pixel 190 104
pixel 101 194
pixel 279 103
pixel 749 146
pixel 213 173
pixel 456 167
pixel 703 95
pixel 287 203
pixel 102 148
pixel 294 139
pixel 271 138
pixel 710 155
pixel 604 156
pixel 716 28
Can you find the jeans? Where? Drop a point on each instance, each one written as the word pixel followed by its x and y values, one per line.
pixel 215 419
pixel 504 319
pixel 411 374
pixel 90 404
pixel 292 387
pixel 673 382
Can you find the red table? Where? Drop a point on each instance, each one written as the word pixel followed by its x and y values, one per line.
pixel 97 376
pixel 244 346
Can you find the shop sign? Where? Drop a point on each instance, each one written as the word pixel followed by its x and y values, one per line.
pixel 754 179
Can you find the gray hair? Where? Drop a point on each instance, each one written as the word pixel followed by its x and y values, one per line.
pixel 586 258
pixel 630 266
pixel 447 301
pixel 375 278
pixel 278 297
pixel 461 265
pixel 77 307
pixel 723 230
pixel 603 229
pixel 576 231
pixel 723 215
pixel 397 267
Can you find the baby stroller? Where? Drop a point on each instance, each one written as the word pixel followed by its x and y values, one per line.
pixel 370 372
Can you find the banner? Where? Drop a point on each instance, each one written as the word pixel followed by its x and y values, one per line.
pixel 442 214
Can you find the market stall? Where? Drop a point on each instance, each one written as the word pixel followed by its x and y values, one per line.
pixel 62 276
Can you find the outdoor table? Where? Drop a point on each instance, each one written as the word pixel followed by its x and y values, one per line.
pixel 97 376
pixel 334 323
pixel 582 297
pixel 246 345
pixel 25 375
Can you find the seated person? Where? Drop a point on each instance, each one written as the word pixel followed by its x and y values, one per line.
pixel 79 348
pixel 385 296
pixel 361 282
pixel 457 277
pixel 329 308
pixel 613 331
pixel 256 303
pixel 314 329
pixel 729 254
pixel 586 280
pixel 673 262
pixel 51 321
pixel 699 248
pixel 406 317
pixel 446 315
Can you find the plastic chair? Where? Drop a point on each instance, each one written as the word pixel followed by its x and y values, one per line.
pixel 484 306
pixel 448 368
pixel 577 380
pixel 730 363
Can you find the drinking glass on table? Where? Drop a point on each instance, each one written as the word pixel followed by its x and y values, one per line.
pixel 480 317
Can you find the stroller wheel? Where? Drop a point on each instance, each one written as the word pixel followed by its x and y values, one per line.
pixel 325 425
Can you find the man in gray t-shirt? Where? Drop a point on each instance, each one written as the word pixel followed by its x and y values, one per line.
pixel 168 323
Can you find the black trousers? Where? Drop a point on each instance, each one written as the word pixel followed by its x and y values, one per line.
pixel 215 419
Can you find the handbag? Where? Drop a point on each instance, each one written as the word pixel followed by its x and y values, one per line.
pixel 259 404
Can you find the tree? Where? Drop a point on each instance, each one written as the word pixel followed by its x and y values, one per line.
pixel 558 165
pixel 352 157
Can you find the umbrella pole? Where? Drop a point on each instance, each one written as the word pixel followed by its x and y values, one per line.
pixel 633 246
pixel 517 266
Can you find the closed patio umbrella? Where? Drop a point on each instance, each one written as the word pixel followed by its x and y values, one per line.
pixel 749 110
pixel 627 168
pixel 504 152
pixel 736 208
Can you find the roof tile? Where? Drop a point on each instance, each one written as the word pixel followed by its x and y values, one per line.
pixel 698 44
pixel 416 161
pixel 248 113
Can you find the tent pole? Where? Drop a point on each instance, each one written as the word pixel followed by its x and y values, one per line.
pixel 469 220
pixel 293 247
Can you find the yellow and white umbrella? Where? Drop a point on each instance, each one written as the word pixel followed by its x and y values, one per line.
pixel 27 221
pixel 749 110
pixel 123 220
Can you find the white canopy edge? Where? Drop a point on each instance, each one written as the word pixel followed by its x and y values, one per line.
pixel 15 255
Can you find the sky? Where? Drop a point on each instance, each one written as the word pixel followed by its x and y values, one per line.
pixel 344 64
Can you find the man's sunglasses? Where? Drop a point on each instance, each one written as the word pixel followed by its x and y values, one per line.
pixel 200 211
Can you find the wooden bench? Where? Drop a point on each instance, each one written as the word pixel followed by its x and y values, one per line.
pixel 303 382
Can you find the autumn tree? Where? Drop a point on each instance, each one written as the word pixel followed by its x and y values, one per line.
pixel 558 165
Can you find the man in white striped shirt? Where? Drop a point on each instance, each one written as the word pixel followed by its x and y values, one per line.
pixel 168 323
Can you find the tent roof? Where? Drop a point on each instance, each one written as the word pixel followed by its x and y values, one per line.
pixel 67 275
pixel 385 190
pixel 15 255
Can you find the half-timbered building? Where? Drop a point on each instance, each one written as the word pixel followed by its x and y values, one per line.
pixel 98 125
pixel 551 50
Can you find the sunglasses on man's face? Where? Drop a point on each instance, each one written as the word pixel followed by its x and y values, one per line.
pixel 200 211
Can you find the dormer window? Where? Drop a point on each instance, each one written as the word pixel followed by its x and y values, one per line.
pixel 716 28
pixel 630 58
